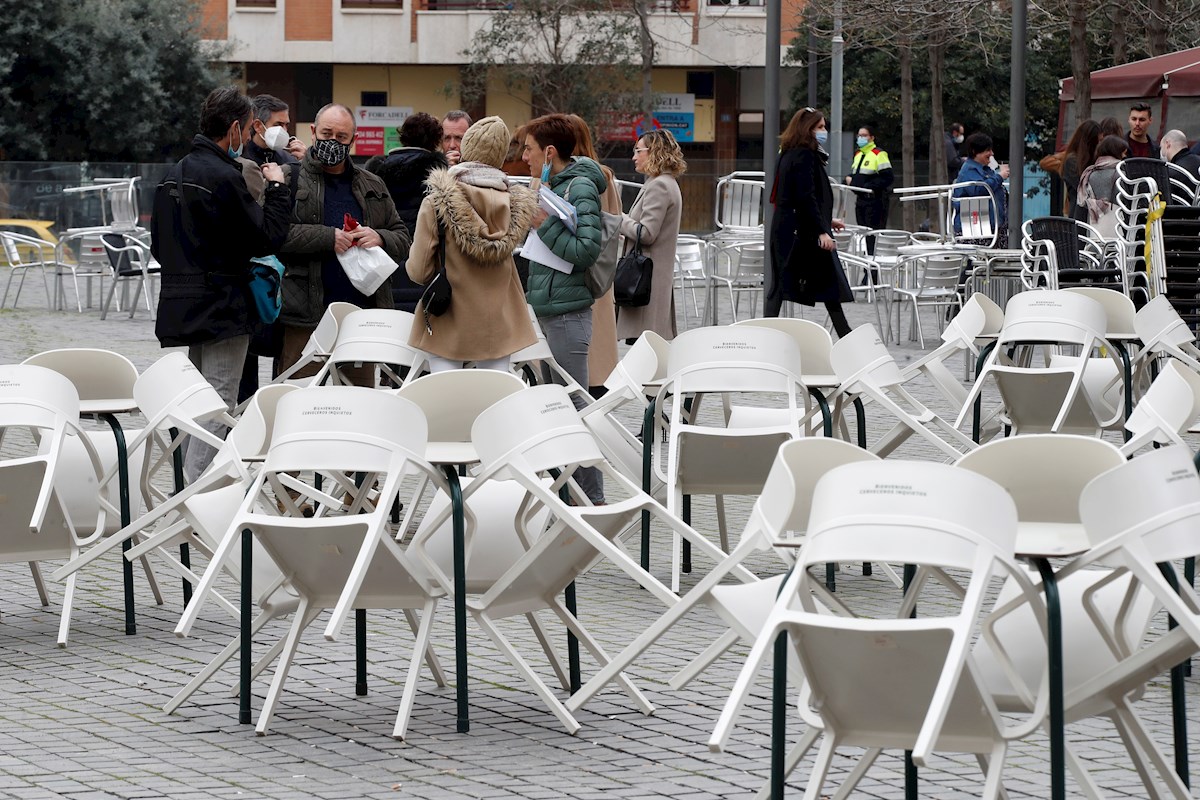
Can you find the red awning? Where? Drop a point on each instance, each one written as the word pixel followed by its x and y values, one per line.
pixel 1145 78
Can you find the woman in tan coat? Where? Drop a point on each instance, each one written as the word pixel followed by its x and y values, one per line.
pixel 602 354
pixel 484 220
pixel 657 211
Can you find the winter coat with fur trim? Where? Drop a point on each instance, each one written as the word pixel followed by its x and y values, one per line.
pixel 404 170
pixel 485 220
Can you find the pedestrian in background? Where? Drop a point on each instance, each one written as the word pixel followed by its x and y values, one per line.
pixel 404 170
pixel 655 215
pixel 1081 154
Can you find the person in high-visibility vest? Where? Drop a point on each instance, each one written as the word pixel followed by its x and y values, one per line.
pixel 870 169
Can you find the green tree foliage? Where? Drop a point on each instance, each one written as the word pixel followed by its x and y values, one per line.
pixel 102 80
pixel 573 56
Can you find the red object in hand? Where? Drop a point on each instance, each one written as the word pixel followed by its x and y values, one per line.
pixel 349 223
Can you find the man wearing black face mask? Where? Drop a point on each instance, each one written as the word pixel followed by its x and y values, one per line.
pixel 206 227
pixel 330 187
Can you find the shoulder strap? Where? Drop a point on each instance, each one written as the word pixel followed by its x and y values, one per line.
pixel 441 245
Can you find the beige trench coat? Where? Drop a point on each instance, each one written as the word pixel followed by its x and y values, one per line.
pixel 658 209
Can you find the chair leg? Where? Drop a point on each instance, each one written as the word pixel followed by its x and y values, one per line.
pixel 539 688
pixel 39 583
pixel 701 662
pixel 585 638
pixel 68 602
pixel 856 775
pixel 421 650
pixel 431 659
pixel 281 670
pixel 112 290
pixel 820 768
pixel 210 669
pixel 551 655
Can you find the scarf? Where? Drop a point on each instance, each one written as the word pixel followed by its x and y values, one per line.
pixel 476 173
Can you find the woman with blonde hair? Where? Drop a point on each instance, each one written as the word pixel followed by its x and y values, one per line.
pixel 602 355
pixel 655 218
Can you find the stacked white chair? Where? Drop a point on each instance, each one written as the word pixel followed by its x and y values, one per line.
pixel 375 336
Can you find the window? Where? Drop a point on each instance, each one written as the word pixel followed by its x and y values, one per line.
pixel 381 5
pixel 255 3
pixel 371 98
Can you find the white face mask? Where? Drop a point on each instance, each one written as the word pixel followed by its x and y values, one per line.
pixel 276 137
pixel 958 140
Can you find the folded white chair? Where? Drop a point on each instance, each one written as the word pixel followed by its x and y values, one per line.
pixel 780 514
pixel 901 683
pixel 1050 399
pixel 1167 410
pixel 868 371
pixel 1164 333
pixel 976 323
pixel 339 558
pixel 530 437
pixel 724 459
pixel 39 412
pixel 320 342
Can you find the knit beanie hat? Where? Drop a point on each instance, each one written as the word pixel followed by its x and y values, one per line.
pixel 486 141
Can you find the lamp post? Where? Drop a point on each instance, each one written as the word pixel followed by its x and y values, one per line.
pixel 770 129
pixel 1016 125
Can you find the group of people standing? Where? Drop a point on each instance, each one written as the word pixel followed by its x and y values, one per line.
pixel 1088 166
pixel 439 202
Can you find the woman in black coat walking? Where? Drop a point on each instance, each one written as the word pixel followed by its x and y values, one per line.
pixel 804 260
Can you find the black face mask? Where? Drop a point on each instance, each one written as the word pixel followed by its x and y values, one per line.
pixel 330 152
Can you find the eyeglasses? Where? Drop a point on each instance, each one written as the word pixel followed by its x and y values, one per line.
pixel 637 150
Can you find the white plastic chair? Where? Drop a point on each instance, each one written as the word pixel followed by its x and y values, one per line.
pixel 339 558
pixel 903 683
pixel 1164 333
pixel 1166 411
pixel 867 370
pixel 535 438
pixel 375 336
pixel 780 514
pixel 1050 399
pixel 706 459
pixel 320 343
pixel 39 412
pixel 739 265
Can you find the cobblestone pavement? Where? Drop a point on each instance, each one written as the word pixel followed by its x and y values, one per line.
pixel 86 722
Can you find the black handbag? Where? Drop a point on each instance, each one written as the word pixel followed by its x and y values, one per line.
pixel 435 300
pixel 631 285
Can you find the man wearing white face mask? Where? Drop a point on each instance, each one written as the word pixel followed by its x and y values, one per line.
pixel 330 188
pixel 205 229
pixel 954 162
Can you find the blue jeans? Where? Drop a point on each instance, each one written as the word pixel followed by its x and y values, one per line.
pixel 569 336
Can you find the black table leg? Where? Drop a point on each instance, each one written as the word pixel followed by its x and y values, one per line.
pixel 360 651
pixel 246 601
pixel 1178 694
pixel 779 709
pixel 647 462
pixel 573 641
pixel 126 518
pixel 460 597
pixel 185 552
pixel 1058 777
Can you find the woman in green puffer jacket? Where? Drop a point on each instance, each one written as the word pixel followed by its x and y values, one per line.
pixel 562 301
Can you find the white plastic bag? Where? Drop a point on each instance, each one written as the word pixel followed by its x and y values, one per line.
pixel 367 268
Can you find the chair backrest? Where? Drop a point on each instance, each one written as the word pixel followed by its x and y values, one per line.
pixel 1153 168
pixel 1062 232
pixel 36 397
pixel 453 400
pixel 1168 408
pixel 939 273
pixel 1052 316
pixel 12 253
pixel 975 214
pixel 173 387
pixel 375 335
pixel 787 495
pixel 96 374
pixel 889 242
pixel 1158 323
pixel 739 202
pixel 346 428
pixel 979 316
pixel 1155 497
pixel 537 428
pixel 1119 311
pixel 732 359
pixel 1044 473
pixel 690 254
pixel 645 361
pixel 910 512
pixel 814 341
pixel 862 356
pixel 251 437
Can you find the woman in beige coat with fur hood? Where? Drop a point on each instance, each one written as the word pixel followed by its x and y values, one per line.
pixel 484 219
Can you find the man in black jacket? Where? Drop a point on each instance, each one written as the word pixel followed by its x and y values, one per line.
pixel 206 227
